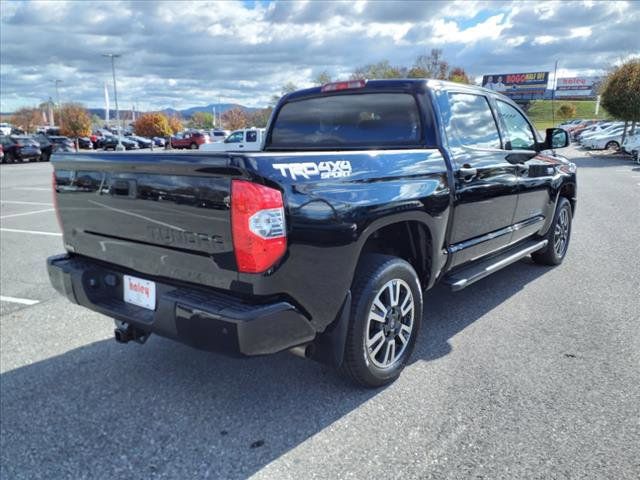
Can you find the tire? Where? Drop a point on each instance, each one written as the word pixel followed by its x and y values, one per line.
pixel 9 158
pixel 382 281
pixel 612 145
pixel 558 236
pixel 193 146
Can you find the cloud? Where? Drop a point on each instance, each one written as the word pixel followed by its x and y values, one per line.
pixel 179 54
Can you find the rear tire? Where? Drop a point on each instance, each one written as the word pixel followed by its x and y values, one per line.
pixel 612 145
pixel 193 146
pixel 386 314
pixel 557 237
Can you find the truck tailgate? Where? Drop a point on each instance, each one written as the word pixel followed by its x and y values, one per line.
pixel 165 215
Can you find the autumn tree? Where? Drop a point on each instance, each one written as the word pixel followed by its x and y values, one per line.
pixel 201 120
pixel 621 93
pixel 74 121
pixel 458 75
pixel 175 124
pixel 27 119
pixel 379 70
pixel 235 119
pixel 260 118
pixel 566 110
pixel 152 125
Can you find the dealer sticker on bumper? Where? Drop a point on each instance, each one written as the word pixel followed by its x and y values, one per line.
pixel 140 292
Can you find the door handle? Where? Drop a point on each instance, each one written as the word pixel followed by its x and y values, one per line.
pixel 467 172
pixel 240 146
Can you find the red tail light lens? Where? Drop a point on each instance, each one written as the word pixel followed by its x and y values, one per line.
pixel 257 225
pixel 348 85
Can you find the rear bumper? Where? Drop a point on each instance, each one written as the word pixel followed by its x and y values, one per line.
pixel 203 318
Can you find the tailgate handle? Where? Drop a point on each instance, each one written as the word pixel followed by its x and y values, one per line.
pixel 126 188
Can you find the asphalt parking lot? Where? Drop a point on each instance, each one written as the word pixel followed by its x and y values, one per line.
pixel 533 372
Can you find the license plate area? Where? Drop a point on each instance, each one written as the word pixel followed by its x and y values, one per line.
pixel 139 292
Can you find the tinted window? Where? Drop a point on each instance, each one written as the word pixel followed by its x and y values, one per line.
pixel 252 136
pixel 356 120
pixel 470 122
pixel 519 133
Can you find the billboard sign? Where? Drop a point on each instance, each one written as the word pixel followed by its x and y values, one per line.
pixel 578 87
pixel 518 86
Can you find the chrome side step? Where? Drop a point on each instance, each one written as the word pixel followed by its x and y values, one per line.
pixel 477 271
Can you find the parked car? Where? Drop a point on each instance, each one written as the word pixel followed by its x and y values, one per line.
pixel 46 146
pixel 216 136
pixel 159 141
pixel 5 128
pixel 593 130
pixel 85 143
pixel 607 141
pixel 62 144
pixel 141 141
pixel 19 148
pixel 1 153
pixel 192 140
pixel 365 195
pixel 576 129
pixel 248 140
pixel 631 143
pixel 111 143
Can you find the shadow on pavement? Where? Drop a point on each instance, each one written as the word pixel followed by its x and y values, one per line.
pixel 107 410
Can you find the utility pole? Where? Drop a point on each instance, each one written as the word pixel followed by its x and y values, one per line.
pixel 57 83
pixel 113 57
pixel 553 93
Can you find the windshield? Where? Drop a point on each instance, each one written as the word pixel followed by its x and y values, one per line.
pixel 354 120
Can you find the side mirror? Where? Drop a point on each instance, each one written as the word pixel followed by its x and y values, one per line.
pixel 555 138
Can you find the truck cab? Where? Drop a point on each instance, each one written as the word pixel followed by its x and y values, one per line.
pixel 245 140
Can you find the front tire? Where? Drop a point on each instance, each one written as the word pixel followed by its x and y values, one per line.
pixel 194 146
pixel 386 314
pixel 612 145
pixel 558 236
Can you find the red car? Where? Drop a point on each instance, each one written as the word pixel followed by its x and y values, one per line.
pixel 191 140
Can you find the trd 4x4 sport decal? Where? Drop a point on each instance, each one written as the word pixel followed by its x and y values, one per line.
pixel 338 169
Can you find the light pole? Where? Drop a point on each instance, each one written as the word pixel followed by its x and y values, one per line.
pixel 113 56
pixel 57 83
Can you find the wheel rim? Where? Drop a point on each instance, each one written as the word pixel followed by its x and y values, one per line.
pixel 561 235
pixel 389 324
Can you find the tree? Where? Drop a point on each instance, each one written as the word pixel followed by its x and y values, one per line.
pixel 322 78
pixel 378 70
pixel 27 119
pixel 286 88
pixel 260 117
pixel 74 121
pixel 621 93
pixel 566 110
pixel 201 120
pixel 152 125
pixel 235 119
pixel 175 124
pixel 457 74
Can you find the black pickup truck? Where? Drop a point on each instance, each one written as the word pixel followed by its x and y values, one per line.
pixel 365 194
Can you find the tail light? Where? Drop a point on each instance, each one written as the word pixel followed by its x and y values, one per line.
pixel 347 85
pixel 257 225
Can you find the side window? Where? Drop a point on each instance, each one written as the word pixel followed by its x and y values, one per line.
pixel 471 123
pixel 234 138
pixel 519 133
pixel 252 136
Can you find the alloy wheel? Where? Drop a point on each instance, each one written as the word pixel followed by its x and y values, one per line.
pixel 561 234
pixel 389 324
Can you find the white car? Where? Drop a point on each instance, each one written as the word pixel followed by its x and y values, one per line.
pixel 216 136
pixel 5 128
pixel 631 143
pixel 610 141
pixel 610 129
pixel 245 140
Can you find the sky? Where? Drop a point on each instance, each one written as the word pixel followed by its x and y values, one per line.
pixel 180 54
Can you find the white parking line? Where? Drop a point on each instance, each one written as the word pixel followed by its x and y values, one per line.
pixel 22 301
pixel 26 213
pixel 15 202
pixel 33 232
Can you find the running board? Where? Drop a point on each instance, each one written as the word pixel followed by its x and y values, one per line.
pixel 477 271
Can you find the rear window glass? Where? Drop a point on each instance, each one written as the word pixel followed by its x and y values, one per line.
pixel 356 120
